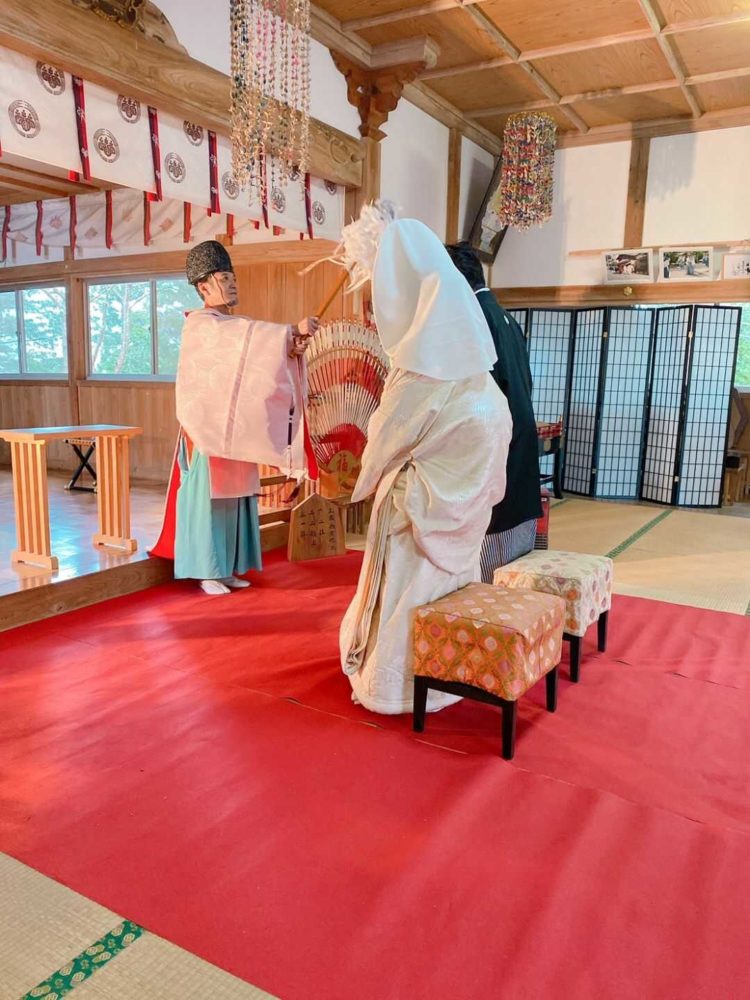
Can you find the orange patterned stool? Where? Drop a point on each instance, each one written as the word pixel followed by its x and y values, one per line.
pixel 488 643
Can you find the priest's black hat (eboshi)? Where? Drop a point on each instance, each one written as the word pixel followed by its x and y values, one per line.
pixel 205 259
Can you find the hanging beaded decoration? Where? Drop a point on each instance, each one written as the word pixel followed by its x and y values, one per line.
pixel 270 91
pixel 524 195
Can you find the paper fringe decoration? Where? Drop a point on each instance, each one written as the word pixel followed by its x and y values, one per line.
pixel 270 99
pixel 524 196
pixel 360 241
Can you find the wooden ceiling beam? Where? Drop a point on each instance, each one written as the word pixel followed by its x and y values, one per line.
pixel 461 70
pixel 656 128
pixel 670 54
pixel 589 95
pixel 422 10
pixel 723 74
pixel 492 30
pixel 700 24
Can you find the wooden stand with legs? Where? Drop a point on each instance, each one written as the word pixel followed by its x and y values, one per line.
pixel 29 457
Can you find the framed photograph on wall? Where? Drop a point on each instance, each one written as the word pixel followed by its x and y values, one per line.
pixel 486 234
pixel 736 265
pixel 628 266
pixel 686 264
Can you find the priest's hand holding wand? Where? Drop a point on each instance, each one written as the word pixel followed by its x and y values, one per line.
pixel 301 334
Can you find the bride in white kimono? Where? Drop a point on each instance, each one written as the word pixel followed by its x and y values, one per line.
pixel 435 460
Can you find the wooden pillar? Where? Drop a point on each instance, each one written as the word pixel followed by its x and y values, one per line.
pixel 76 297
pixel 637 182
pixel 454 186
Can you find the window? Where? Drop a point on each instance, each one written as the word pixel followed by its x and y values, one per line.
pixel 742 374
pixel 33 332
pixel 135 327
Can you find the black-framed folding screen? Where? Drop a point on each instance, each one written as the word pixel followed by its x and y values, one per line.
pixel 645 395
pixel 666 402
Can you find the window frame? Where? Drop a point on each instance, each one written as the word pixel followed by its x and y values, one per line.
pixel 152 280
pixel 25 376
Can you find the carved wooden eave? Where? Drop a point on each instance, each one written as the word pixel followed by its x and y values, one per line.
pixel 375 93
pixel 126 61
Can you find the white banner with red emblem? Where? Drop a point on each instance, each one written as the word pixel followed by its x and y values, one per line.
pixel 173 178
pixel 119 141
pixel 39 115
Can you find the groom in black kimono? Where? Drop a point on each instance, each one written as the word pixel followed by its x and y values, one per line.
pixel 512 529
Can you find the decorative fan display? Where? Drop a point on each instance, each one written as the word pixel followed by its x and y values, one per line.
pixel 346 369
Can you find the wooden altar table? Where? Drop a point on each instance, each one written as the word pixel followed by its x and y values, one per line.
pixel 28 447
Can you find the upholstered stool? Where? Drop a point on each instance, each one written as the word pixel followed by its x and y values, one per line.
pixel 584 581
pixel 490 644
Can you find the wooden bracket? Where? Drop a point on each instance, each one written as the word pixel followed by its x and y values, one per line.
pixel 375 92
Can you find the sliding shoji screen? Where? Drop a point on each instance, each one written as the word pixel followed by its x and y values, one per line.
pixel 666 399
pixel 549 337
pixel 713 355
pixel 583 410
pixel 626 353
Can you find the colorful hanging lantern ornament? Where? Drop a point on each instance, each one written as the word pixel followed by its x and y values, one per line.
pixel 527 178
pixel 270 91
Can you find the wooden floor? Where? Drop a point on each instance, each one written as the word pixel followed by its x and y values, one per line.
pixel 86 574
pixel 73 519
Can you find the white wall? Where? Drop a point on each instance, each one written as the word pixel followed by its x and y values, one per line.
pixel 204 31
pixel 591 186
pixel 699 188
pixel 414 166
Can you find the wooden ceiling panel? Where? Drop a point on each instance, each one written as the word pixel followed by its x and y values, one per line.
pixel 682 11
pixel 714 49
pixel 535 24
pixel 723 94
pixel 488 88
pixel 633 108
pixel 496 124
pixel 601 69
pixel 459 38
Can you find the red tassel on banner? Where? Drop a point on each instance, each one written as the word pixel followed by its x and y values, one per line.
pixel 72 229
pixel 108 220
pixel 308 207
pixel 278 230
pixel 83 136
pixel 153 124
pixel 6 230
pixel 74 176
pixel 39 220
pixel 213 172
pixel 146 218
pixel 230 226
pixel 187 222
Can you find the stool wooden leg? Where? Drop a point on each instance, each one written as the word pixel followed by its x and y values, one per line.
pixel 601 628
pixel 113 494
pixel 551 682
pixel 29 460
pixel 509 710
pixel 575 658
pixel 420 703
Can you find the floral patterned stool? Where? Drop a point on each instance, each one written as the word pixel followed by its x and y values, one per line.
pixel 490 644
pixel 584 581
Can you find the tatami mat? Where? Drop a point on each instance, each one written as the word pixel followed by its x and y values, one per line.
pixel 44 926
pixel 154 969
pixel 590 526
pixel 686 557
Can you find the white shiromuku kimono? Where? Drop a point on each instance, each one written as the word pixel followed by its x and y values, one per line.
pixel 435 460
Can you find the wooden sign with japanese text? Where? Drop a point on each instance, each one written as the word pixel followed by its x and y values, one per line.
pixel 316 530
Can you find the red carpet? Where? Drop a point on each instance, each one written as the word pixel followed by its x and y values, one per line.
pixel 147 760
